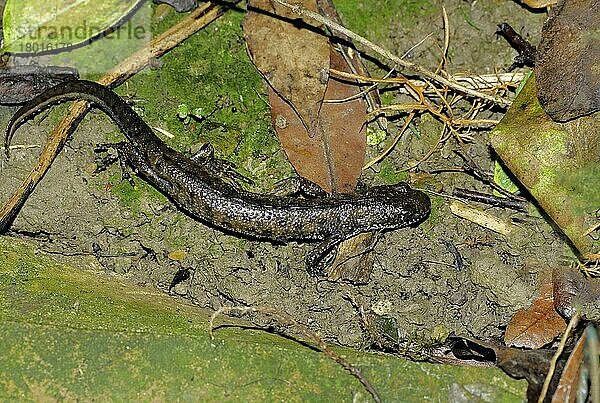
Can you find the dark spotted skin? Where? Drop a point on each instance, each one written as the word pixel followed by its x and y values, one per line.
pixel 195 186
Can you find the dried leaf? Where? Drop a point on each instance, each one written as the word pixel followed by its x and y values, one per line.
pixel 568 60
pixel 573 290
pixel 292 54
pixel 567 287
pixel 537 325
pixel 353 262
pixel 324 141
pixel 333 157
pixel 343 126
pixel 531 365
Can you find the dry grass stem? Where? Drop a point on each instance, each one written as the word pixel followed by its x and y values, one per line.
pixel 427 94
pixel 24 146
pixel 561 346
pixel 416 45
pixel 360 94
pixel 591 266
pixel 481 218
pixel 494 82
pixel 456 86
pixel 442 65
pixel 164 132
pixel 400 107
pixel 389 148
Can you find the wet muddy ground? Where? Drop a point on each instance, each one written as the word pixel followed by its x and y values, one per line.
pixel 418 283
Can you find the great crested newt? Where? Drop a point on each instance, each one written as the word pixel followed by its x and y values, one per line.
pixel 196 186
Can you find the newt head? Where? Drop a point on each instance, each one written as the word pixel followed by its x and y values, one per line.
pixel 392 207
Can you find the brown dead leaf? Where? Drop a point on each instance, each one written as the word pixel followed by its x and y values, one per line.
pixel 353 262
pixel 342 126
pixel 292 54
pixel 532 365
pixel 567 68
pixel 333 157
pixel 325 142
pixel 572 289
pixel 537 325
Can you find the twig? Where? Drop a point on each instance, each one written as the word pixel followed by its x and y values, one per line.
pixel 413 47
pixel 286 320
pixel 492 200
pixel 164 132
pixel 24 146
pixel 193 22
pixel 485 81
pixel 593 345
pixel 527 52
pixel 300 10
pixel 401 107
pixel 475 122
pixel 360 94
pixel 590 265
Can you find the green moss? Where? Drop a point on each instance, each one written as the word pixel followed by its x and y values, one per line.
pixel 358 15
pixel 389 175
pixel 211 70
pixel 131 197
pixel 437 214
pixel 375 135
